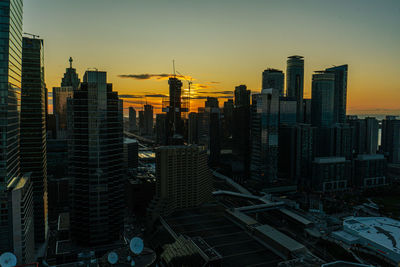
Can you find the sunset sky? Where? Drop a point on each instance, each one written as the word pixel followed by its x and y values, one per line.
pixel 222 44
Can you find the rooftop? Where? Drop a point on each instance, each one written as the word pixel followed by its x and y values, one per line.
pixel 330 160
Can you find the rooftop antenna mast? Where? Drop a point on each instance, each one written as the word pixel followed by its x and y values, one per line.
pixel 173 66
pixel 34 36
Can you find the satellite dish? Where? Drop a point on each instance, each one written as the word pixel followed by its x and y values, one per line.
pixel 112 257
pixel 8 259
pixel 136 245
pixel 132 263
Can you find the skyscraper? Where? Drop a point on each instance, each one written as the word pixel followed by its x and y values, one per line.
pixel 322 100
pixel 148 120
pixel 33 129
pixel 340 101
pixel 10 93
pixel 132 120
pixel 175 107
pixel 70 77
pixel 295 82
pixel 60 96
pixel 287 111
pixel 96 162
pixel 242 96
pixel 273 78
pixel 264 135
pixel 391 139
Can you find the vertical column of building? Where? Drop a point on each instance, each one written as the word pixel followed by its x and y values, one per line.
pixel 295 82
pixel 340 97
pixel 33 129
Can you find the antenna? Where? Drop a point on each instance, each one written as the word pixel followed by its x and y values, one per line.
pixel 70 62
pixel 136 245
pixel 34 36
pixel 112 258
pixel 8 259
pixel 173 66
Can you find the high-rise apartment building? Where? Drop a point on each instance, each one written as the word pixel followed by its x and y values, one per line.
pixel 322 101
pixel 33 130
pixel 340 99
pixel 60 96
pixel 132 120
pixel 295 82
pixel 365 134
pixel 96 162
pixel 273 78
pixel 264 135
pixel 242 96
pixel 148 120
pixel 391 139
pixel 287 111
pixel 183 179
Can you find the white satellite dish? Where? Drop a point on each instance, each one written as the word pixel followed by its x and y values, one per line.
pixel 132 263
pixel 8 259
pixel 112 257
pixel 136 245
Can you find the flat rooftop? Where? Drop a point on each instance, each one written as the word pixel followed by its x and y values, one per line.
pixel 380 230
pixel 236 247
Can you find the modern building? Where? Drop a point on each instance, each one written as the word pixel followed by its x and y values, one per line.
pixel 33 141
pixel 183 179
pixel 273 78
pixel 242 96
pixel 10 94
pixel 391 139
pixel 175 107
pixel 369 170
pixel 295 82
pixel 330 174
pixel 307 110
pixel 162 126
pixel 20 193
pixel 60 96
pixel 322 101
pixel 148 120
pixel 365 134
pixel 96 162
pixel 193 128
pixel 228 119
pixel 340 101
pixel 335 141
pixel 71 77
pixel 287 111
pixel 131 152
pixel 132 120
pixel 264 135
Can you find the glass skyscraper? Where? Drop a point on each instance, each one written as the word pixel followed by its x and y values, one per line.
pixel 273 78
pixel 33 129
pixel 10 93
pixel 295 82
pixel 340 92
pixel 322 100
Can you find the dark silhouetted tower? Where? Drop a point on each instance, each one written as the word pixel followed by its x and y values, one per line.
pixel 295 82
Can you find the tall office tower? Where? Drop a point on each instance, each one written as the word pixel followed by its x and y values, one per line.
pixel 296 151
pixel 183 179
pixel 307 111
pixel 340 101
pixel 214 142
pixel 391 139
pixel 10 93
pixel 287 110
pixel 20 193
pixel 70 77
pixel 141 122
pixel 148 120
pixel 335 141
pixel 242 96
pixel 161 129
pixel 60 96
pixel 273 78
pixel 132 120
pixel 295 82
pixel 228 119
pixel 131 150
pixel 211 102
pixel 323 92
pixel 372 130
pixel 175 107
pixel 33 130
pixel 193 128
pixel 264 135
pixel 369 171
pixel 96 162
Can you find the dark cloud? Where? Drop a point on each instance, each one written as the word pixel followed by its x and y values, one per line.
pixel 156 95
pixel 148 76
pixel 205 97
pixel 215 82
pixel 142 96
pixel 130 96
pixel 217 92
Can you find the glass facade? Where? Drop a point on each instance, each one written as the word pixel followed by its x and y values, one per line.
pixel 10 95
pixel 272 78
pixel 295 82
pixel 322 101
pixel 340 92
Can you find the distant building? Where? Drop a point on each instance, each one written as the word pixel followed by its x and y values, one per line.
pixel 183 179
pixel 295 82
pixel 365 134
pixel 340 101
pixel 322 101
pixel 391 139
pixel 96 162
pixel 287 111
pixel 369 170
pixel 131 152
pixel 70 78
pixel 33 143
pixel 330 174
pixel 264 135
pixel 147 120
pixel 307 110
pixel 242 96
pixel 132 120
pixel 175 108
pixel 193 128
pixel 162 125
pixel 335 141
pixel 60 96
pixel 273 78
pixel 228 119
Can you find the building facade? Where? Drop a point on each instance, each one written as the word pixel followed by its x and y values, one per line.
pixel 340 102
pixel 295 82
pixel 96 162
pixel 132 120
pixel 273 78
pixel 391 139
pixel 322 101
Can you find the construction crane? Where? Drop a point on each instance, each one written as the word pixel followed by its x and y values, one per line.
pixel 34 36
pixel 189 84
